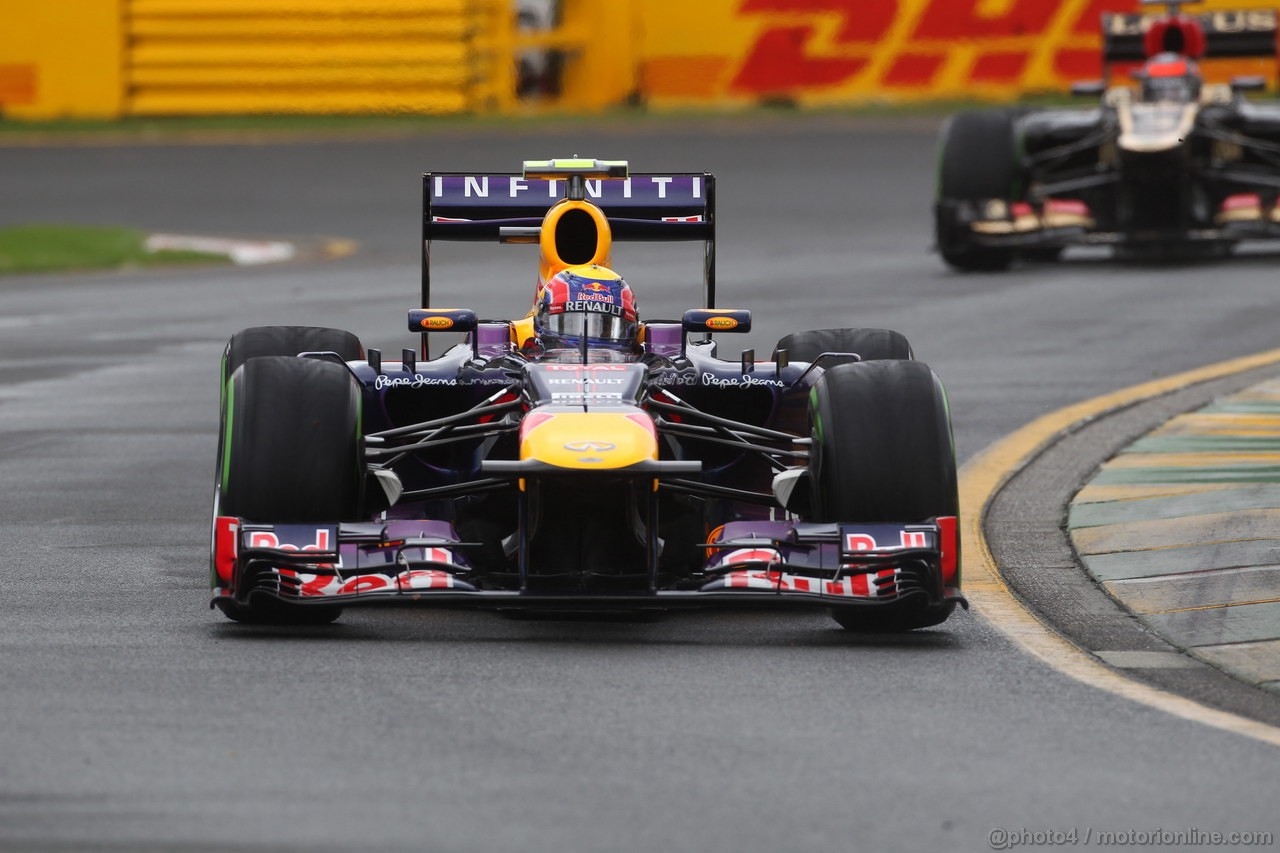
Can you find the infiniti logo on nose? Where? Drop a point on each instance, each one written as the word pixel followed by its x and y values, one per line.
pixel 585 446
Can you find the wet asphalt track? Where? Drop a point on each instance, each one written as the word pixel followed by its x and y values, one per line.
pixel 131 717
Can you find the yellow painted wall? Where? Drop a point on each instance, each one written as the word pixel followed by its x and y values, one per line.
pixel 102 58
pixel 301 56
pixel 601 70
pixel 831 52
pixel 60 58
pixel 107 58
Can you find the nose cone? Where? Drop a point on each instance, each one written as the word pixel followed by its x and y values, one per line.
pixel 591 441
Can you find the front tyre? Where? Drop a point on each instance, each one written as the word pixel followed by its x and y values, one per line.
pixel 258 341
pixel 292 453
pixel 882 452
pixel 870 344
pixel 977 163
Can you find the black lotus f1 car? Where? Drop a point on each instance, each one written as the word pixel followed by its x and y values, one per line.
pixel 506 475
pixel 1171 165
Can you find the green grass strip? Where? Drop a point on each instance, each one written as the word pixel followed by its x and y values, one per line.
pixel 44 248
pixel 162 127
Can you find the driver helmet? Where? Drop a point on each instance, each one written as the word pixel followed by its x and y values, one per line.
pixel 1170 77
pixel 586 300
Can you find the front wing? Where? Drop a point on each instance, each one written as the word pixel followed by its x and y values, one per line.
pixel 1060 223
pixel 750 565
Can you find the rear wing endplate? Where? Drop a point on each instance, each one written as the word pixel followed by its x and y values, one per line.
pixel 669 206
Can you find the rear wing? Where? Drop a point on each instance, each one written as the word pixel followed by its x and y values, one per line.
pixel 669 206
pixel 1227 35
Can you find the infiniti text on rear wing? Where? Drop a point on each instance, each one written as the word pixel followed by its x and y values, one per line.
pixel 641 207
pixel 650 207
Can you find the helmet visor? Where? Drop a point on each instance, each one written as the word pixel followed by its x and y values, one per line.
pixel 1174 89
pixel 573 325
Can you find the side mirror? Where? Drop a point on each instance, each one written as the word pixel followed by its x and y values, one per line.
pixel 442 320
pixel 1088 88
pixel 716 320
pixel 1250 83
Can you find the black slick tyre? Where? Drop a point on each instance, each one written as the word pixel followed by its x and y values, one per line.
pixel 257 341
pixel 292 453
pixel 883 452
pixel 977 163
pixel 870 344
pixel 260 341
pixel 263 341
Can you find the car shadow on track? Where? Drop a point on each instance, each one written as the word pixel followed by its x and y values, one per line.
pixel 726 630
pixel 1091 258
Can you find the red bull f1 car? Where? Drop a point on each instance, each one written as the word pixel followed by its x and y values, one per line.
pixel 580 458
pixel 1172 165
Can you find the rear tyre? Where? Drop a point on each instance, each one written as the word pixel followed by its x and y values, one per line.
pixel 882 451
pixel 871 344
pixel 977 162
pixel 291 454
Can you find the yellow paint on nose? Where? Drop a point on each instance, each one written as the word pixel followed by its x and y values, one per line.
pixel 590 440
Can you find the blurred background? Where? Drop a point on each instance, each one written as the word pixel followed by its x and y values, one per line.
pixel 108 59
